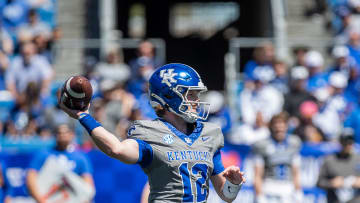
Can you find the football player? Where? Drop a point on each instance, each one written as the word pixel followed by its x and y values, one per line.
pixel 277 165
pixel 178 152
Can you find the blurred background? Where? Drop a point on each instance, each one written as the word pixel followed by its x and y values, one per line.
pixel 258 59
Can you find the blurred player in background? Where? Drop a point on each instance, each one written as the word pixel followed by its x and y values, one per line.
pixel 58 173
pixel 4 184
pixel 179 153
pixel 340 173
pixel 277 161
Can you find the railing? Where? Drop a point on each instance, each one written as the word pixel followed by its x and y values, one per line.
pixel 66 47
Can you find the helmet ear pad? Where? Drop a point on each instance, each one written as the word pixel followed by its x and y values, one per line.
pixel 172 99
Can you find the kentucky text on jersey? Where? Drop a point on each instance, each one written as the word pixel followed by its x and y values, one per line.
pixel 188 155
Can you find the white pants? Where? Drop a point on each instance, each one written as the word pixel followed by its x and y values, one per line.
pixel 278 191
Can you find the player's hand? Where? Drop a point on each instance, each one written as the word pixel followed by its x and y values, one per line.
pixel 356 183
pixel 337 182
pixel 260 199
pixel 41 200
pixel 298 196
pixel 234 175
pixel 72 112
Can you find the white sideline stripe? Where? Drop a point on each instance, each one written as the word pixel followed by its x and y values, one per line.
pixel 73 93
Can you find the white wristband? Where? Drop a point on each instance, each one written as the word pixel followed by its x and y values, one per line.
pixel 231 190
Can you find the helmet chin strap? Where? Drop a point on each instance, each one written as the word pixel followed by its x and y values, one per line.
pixel 187 118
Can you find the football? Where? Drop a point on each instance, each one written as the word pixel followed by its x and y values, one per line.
pixel 76 93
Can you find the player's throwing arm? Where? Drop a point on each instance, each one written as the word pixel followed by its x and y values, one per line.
pixel 74 100
pixel 178 151
pixel 126 151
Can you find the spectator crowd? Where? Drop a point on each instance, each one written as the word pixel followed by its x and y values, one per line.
pixel 28 91
pixel 28 32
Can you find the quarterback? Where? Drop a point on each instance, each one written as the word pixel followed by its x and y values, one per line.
pixel 179 153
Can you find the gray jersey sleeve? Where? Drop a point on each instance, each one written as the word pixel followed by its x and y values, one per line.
pixel 214 131
pixel 137 132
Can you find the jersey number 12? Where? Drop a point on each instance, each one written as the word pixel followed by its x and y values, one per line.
pixel 201 192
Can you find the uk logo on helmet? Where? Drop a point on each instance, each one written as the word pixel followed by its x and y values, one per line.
pixel 168 77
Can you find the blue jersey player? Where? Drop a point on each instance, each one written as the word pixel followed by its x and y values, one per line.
pixel 179 153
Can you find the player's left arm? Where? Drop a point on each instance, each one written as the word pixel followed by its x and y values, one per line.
pixel 296 177
pixel 295 169
pixel 228 183
pixel 32 175
pixel 145 193
pixel 33 187
pixel 88 179
pixel 86 170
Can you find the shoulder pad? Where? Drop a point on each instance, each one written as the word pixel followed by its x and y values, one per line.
pixel 214 130
pixel 136 130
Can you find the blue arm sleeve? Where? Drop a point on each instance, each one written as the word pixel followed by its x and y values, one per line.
pixel 218 165
pixel 145 153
